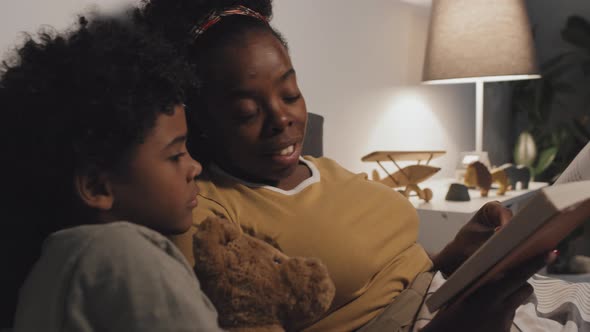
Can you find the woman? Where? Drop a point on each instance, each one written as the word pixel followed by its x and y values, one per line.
pixel 250 131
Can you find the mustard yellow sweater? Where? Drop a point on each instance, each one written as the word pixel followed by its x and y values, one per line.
pixel 363 231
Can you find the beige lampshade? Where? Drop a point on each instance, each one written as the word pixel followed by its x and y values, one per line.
pixel 487 40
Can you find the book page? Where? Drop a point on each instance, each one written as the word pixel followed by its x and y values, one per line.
pixel 578 169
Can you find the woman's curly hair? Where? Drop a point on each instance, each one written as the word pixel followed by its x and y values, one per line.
pixel 175 19
pixel 77 103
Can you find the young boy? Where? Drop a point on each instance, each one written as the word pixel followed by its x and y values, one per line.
pixel 95 134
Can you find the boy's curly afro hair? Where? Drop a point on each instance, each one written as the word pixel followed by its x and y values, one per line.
pixel 76 103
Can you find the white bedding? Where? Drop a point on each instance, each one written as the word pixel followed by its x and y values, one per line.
pixel 556 305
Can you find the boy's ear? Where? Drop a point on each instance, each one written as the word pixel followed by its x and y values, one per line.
pixel 95 190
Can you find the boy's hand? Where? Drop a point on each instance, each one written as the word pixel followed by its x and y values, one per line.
pixel 490 218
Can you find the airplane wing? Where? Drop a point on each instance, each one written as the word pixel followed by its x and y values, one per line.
pixel 403 155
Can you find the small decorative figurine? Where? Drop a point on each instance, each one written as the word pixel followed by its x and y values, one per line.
pixel 478 175
pixel 408 176
pixel 517 174
pixel 457 193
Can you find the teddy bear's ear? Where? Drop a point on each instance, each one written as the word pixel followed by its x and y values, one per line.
pixel 209 246
pixel 232 231
pixel 217 229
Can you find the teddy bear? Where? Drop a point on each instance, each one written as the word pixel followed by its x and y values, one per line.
pixel 253 285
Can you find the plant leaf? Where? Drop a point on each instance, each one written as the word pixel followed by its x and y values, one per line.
pixel 557 64
pixel 577 31
pixel 545 159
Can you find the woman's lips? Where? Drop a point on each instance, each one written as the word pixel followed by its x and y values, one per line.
pixel 287 151
pixel 287 156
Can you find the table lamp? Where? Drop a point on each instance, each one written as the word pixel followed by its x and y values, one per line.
pixel 477 41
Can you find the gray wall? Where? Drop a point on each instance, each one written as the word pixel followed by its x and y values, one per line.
pixel 359 65
pixel 20 16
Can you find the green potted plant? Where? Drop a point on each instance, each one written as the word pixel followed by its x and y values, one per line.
pixel 550 127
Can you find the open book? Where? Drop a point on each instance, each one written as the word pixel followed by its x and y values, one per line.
pixel 546 219
pixel 578 169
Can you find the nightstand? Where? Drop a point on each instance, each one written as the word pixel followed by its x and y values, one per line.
pixel 440 220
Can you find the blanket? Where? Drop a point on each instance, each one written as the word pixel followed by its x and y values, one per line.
pixel 555 305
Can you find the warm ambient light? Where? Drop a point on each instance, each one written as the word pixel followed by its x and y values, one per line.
pixel 408 124
pixel 483 79
pixel 479 41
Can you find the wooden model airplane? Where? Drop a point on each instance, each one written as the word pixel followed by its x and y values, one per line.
pixel 408 176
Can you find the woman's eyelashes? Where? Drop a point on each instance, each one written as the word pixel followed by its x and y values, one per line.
pixel 247 110
pixel 292 99
pixel 247 116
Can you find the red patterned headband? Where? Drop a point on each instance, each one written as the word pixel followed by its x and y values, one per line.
pixel 216 16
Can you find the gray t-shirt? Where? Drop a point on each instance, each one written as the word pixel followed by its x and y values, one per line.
pixel 112 277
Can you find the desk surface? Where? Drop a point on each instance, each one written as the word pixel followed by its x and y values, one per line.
pixel 440 187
